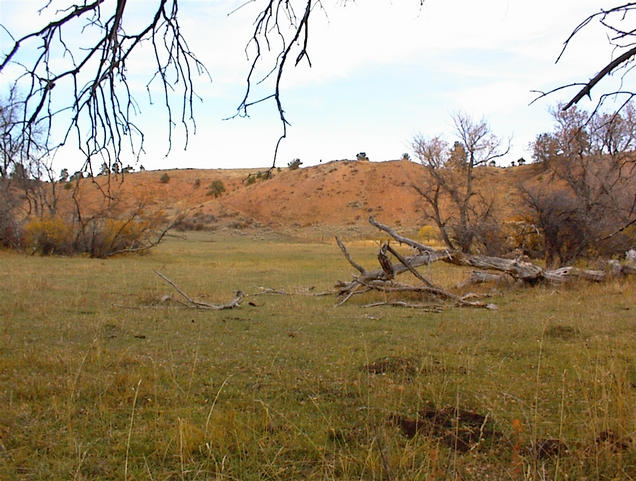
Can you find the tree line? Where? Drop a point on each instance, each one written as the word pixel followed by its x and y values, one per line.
pixel 580 200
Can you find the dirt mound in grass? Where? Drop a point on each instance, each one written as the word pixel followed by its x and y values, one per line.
pixel 456 428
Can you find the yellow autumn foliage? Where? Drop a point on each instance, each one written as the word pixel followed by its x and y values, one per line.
pixel 48 235
pixel 428 233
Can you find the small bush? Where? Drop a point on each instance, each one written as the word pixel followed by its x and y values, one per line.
pixel 260 175
pixel 250 179
pixel 197 183
pixel 294 164
pixel 48 236
pixel 521 234
pixel 216 188
pixel 165 178
pixel 197 222
pixel 114 235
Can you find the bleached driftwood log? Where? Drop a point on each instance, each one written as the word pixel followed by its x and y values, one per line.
pixel 479 277
pixel 379 279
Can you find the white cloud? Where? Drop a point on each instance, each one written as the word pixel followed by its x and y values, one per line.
pixel 479 57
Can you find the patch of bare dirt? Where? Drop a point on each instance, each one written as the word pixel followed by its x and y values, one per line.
pixel 562 332
pixel 455 428
pixel 401 366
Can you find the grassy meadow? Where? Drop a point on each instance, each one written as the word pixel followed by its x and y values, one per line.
pixel 101 380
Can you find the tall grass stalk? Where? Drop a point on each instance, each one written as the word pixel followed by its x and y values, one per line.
pixel 130 428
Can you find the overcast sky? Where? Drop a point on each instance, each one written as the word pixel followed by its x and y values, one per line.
pixel 382 72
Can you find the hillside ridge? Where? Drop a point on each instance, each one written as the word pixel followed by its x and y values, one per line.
pixel 336 196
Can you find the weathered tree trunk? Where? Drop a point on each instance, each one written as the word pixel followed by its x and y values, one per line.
pixel 478 277
pixel 526 271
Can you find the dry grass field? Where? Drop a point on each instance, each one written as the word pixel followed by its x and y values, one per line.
pixel 100 379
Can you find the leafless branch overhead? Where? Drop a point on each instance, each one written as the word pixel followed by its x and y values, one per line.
pixel 621 36
pixel 277 22
pixel 74 71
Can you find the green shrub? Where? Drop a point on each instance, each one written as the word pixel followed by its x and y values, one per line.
pixel 294 164
pixel 197 183
pixel 216 188
pixel 165 178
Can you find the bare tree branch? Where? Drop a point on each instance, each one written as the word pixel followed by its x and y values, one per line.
pixel 345 252
pixel 587 89
pixel 424 307
pixel 101 108
pixel 622 39
pixel 277 17
pixel 432 253
pixel 234 303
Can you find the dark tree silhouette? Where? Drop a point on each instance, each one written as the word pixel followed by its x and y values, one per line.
pixel 618 24
pixel 87 49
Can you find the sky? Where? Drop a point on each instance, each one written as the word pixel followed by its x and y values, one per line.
pixel 383 72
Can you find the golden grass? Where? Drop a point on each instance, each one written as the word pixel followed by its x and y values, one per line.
pixel 99 380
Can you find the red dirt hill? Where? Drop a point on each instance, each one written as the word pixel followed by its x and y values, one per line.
pixel 332 197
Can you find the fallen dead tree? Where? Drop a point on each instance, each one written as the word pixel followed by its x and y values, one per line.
pixel 507 271
pixel 306 291
pixel 517 268
pixel 382 279
pixel 194 304
pixel 479 277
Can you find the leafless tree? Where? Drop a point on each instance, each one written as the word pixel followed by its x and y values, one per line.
pixel 614 134
pixel 20 174
pixel 589 199
pixel 561 222
pixel 73 70
pixel 8 201
pixel 462 213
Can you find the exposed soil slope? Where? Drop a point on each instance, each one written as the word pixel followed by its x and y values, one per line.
pixel 330 197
